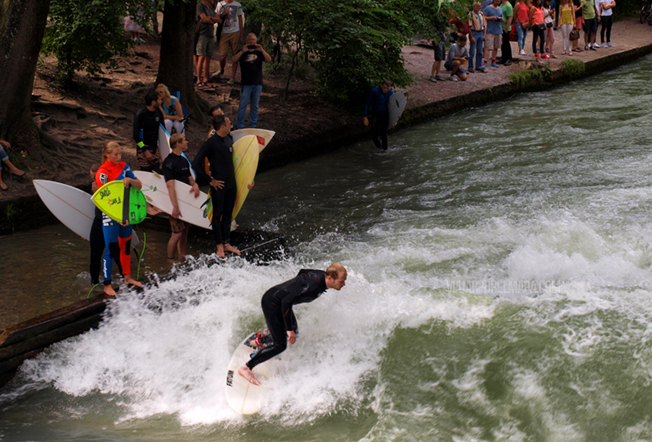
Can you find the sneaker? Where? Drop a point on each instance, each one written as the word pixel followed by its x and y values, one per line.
pixel 546 56
pixel 494 64
pixel 440 78
pixel 537 55
pixel 481 70
pixel 609 45
pixel 471 70
pixel 521 52
pixel 508 63
pixel 453 78
pixel 433 79
pixel 592 48
pixel 484 65
pixel 231 81
pixel 587 47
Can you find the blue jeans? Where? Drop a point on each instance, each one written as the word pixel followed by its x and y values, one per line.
pixel 522 35
pixel 249 94
pixel 476 48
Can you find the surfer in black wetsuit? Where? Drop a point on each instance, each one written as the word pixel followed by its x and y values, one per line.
pixel 219 151
pixel 277 304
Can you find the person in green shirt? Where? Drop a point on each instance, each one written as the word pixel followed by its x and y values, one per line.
pixel 506 47
pixel 590 24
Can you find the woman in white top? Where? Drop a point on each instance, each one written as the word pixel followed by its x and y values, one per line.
pixel 606 16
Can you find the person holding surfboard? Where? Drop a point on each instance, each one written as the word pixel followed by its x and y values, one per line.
pixel 176 167
pixel 277 304
pixel 218 149
pixel 117 237
pixel 379 96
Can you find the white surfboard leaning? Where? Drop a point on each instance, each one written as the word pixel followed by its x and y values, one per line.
pixel 156 193
pixel 72 206
pixel 264 136
pixel 243 396
pixel 396 106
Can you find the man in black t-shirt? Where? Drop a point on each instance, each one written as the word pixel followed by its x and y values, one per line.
pixel 251 60
pixel 146 124
pixel 177 167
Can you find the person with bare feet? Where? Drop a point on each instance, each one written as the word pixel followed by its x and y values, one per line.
pixel 4 158
pixel 176 167
pixel 277 304
pixel 117 237
pixel 219 151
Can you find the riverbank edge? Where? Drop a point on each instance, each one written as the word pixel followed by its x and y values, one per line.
pixel 28 212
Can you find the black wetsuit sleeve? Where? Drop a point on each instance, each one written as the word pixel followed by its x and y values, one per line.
pixel 138 125
pixel 294 293
pixel 198 164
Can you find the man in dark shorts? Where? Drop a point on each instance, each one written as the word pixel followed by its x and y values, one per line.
pixel 277 304
pixel 379 97
pixel 177 167
pixel 440 55
pixel 146 124
pixel 219 151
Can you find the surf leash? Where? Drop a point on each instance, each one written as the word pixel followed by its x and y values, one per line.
pixel 140 258
pixel 259 245
pixel 92 288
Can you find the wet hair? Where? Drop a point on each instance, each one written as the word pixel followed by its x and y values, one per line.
pixel 108 148
pixel 213 109
pixel 151 96
pixel 335 270
pixel 175 139
pixel 218 122
pixel 164 88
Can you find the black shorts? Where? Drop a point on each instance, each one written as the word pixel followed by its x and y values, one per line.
pixel 440 51
pixel 591 25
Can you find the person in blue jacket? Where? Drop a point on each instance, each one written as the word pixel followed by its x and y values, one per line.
pixel 379 97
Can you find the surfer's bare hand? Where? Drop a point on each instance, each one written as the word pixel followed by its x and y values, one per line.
pixel 251 186
pixel 365 121
pixel 176 213
pixel 292 337
pixel 127 181
pixel 195 190
pixel 217 184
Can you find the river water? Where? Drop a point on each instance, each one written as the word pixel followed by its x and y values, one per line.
pixel 498 290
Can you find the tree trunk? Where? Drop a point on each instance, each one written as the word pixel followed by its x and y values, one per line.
pixel 175 68
pixel 22 25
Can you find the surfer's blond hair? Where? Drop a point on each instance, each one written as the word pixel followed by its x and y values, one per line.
pixel 175 139
pixel 335 270
pixel 108 148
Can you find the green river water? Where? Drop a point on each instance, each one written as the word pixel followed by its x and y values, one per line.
pixel 499 289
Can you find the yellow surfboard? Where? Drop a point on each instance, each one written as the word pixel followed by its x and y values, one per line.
pixel 245 162
pixel 121 204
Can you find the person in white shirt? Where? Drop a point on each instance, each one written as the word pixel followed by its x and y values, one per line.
pixel 605 9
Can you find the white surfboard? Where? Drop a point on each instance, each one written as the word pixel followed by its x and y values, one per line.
pixel 243 396
pixel 396 106
pixel 156 193
pixel 72 206
pixel 264 136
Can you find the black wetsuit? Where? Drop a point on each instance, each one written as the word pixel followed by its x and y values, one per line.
pixel 277 304
pixel 145 130
pixel 219 151
pixel 96 239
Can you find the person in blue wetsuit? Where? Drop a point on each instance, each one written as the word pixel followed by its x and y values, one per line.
pixel 379 96
pixel 117 237
pixel 277 304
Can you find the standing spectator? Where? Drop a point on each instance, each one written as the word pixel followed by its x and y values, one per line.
pixel 4 159
pixel 205 44
pixel 440 54
pixel 145 133
pixel 522 14
pixel 477 27
pixel 176 167
pixel 380 117
pixel 172 110
pixel 579 23
pixel 606 16
pixel 506 47
pixel 219 151
pixel 590 24
pixel 494 15
pixel 538 29
pixel 567 22
pixel 549 20
pixel 251 60
pixel 232 33
pixel 457 57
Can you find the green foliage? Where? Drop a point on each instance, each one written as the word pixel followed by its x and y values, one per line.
pixel 83 34
pixel 275 68
pixel 573 68
pixel 526 77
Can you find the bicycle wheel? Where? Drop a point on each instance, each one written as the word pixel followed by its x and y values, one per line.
pixel 644 13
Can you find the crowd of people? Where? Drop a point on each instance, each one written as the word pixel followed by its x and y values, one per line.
pixel 492 25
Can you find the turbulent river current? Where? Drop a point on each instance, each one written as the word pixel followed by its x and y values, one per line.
pixel 499 289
